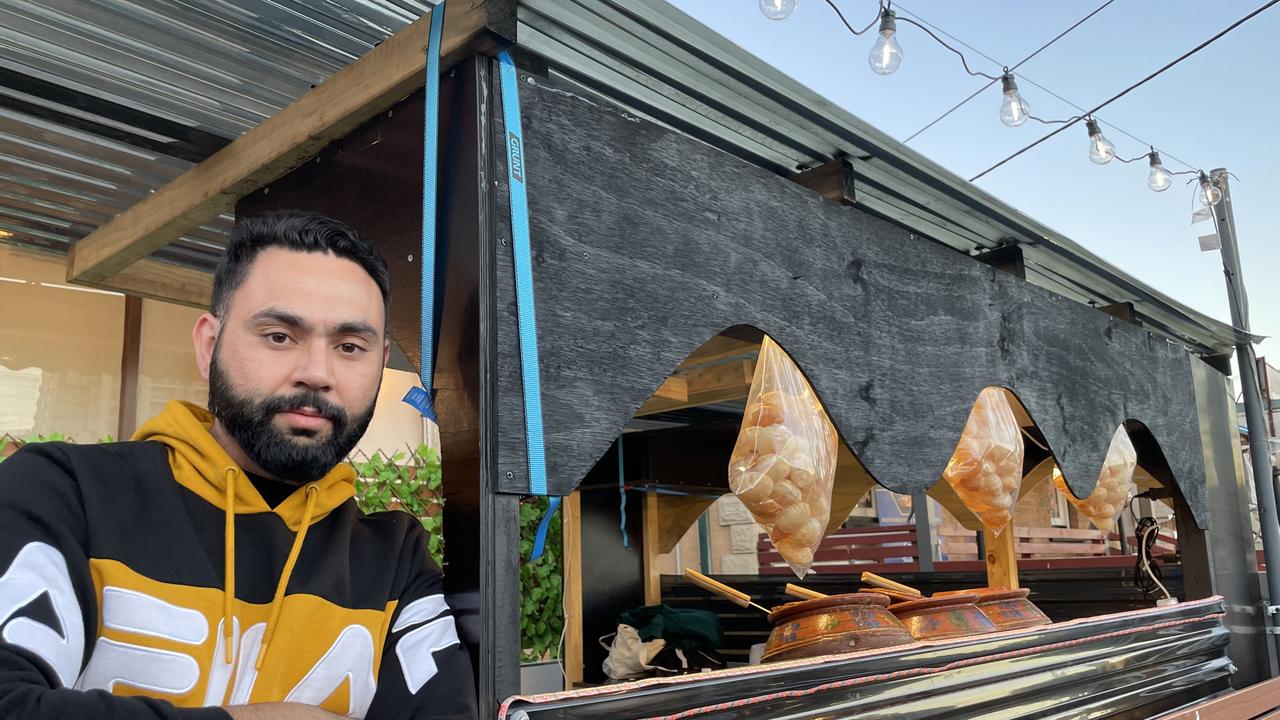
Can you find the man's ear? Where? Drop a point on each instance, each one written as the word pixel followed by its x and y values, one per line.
pixel 386 351
pixel 204 336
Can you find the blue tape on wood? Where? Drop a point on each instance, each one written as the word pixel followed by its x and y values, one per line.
pixel 517 176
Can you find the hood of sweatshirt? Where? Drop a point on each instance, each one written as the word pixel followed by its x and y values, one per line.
pixel 201 465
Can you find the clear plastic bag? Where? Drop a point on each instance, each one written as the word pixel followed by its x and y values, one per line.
pixel 784 462
pixel 1115 484
pixel 986 469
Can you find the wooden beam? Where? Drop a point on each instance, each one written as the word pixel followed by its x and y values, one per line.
pixel 1002 557
pixel 832 180
pixel 676 514
pixel 162 281
pixel 1005 257
pixel 329 111
pixel 705 385
pixel 675 388
pixel 1122 311
pixel 652 549
pixel 572 563
pixel 1250 702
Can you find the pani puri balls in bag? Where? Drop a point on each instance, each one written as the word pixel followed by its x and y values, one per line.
pixel 1109 496
pixel 986 469
pixel 784 461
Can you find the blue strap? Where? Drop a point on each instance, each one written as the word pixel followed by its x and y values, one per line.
pixel 516 176
pixel 425 401
pixel 540 539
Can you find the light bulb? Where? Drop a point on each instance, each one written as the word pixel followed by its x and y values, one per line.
pixel 886 54
pixel 1013 110
pixel 1210 195
pixel 777 9
pixel 1101 151
pixel 1158 179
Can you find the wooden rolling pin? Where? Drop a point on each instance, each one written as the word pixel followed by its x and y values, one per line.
pixel 736 597
pixel 805 593
pixel 875 580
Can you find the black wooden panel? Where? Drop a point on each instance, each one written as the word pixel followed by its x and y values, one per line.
pixel 647 243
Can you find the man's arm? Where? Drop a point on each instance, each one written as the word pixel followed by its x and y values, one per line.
pixel 48 608
pixel 280 711
pixel 426 672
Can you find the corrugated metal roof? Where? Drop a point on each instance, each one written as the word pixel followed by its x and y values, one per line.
pixel 104 101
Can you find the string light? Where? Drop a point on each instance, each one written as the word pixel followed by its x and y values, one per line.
pixel 886 54
pixel 1158 179
pixel 1101 150
pixel 886 57
pixel 777 9
pixel 1210 195
pixel 1014 110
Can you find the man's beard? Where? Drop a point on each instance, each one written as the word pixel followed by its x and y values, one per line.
pixel 291 456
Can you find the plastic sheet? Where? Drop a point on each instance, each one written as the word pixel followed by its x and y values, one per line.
pixel 783 464
pixel 986 469
pixel 1115 484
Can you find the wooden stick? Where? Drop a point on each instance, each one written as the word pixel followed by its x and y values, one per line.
pixel 893 595
pixel 806 593
pixel 737 597
pixel 875 580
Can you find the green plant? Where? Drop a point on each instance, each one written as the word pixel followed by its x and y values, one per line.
pixel 411 483
pixel 7 440
pixel 541 584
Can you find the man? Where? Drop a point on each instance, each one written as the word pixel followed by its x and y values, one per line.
pixel 217 566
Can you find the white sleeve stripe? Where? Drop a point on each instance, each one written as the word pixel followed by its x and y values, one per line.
pixel 416 651
pixel 420 611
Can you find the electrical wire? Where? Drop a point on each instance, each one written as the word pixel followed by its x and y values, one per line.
pixel 1019 64
pixel 963 61
pixel 1147 575
pixel 871 24
pixel 1136 85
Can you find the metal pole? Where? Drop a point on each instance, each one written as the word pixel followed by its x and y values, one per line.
pixel 1265 380
pixel 924 531
pixel 1224 218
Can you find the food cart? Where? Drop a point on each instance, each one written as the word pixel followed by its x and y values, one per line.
pixel 684 200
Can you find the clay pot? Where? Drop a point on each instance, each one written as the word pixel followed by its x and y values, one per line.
pixel 833 624
pixel 1006 609
pixel 939 618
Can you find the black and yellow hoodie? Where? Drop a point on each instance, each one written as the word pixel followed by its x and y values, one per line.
pixel 150 580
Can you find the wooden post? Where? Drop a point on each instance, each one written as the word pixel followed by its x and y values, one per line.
pixel 652 570
pixel 572 538
pixel 1002 557
pixel 127 415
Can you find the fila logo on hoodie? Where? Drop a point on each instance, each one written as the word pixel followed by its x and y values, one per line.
pixel 123 571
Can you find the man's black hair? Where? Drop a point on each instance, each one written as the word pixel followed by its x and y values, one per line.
pixel 299 231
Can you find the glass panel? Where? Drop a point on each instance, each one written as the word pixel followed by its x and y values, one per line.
pixel 167 361
pixel 60 350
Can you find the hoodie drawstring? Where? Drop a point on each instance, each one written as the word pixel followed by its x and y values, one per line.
pixel 229 572
pixel 313 492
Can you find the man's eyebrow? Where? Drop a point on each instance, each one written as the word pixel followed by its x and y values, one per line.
pixel 355 327
pixel 284 317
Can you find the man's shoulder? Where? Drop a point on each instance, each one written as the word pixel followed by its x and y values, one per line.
pixel 77 461
pixel 71 452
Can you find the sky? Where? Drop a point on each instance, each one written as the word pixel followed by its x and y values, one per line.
pixel 1218 108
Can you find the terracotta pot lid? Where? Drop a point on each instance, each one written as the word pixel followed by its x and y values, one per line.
pixel 804 607
pixel 933 603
